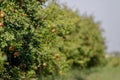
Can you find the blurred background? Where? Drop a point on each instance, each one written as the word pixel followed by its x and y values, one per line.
pixel 105 11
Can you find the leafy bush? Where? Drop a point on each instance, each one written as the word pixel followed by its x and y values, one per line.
pixel 47 41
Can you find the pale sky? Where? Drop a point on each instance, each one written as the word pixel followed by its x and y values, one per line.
pixel 105 11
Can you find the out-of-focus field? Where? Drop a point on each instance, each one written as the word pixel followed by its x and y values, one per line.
pixel 111 71
pixel 107 73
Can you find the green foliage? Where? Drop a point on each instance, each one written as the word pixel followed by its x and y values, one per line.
pixel 79 37
pixel 41 42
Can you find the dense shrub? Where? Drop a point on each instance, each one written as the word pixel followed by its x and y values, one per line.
pixel 41 41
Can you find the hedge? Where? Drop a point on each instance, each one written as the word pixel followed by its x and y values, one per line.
pixel 39 41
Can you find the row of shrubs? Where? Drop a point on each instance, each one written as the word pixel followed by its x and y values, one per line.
pixel 39 41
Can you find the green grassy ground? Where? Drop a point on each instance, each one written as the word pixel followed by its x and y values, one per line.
pixel 109 72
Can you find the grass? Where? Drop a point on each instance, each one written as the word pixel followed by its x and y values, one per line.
pixel 109 72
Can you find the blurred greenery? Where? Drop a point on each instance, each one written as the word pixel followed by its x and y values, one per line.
pixel 110 71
